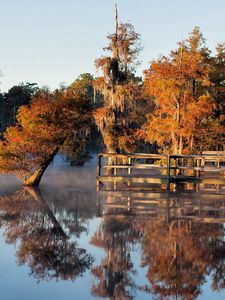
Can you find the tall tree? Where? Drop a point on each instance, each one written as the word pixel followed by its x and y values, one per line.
pixel 117 118
pixel 185 109
pixel 76 148
pixel 218 79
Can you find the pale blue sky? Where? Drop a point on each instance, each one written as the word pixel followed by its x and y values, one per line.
pixel 53 41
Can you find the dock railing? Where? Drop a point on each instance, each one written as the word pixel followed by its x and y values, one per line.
pixel 139 168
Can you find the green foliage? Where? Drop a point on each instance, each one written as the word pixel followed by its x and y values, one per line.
pixel 76 148
pixel 11 101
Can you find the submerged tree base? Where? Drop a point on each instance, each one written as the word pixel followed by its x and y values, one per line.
pixel 34 180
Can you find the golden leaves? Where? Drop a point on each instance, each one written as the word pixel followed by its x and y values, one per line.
pixel 43 127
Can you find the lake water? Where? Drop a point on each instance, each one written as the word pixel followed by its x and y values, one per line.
pixel 66 241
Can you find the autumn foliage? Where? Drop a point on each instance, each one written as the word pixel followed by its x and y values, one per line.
pixel 43 127
pixel 184 119
pixel 179 107
pixel 119 116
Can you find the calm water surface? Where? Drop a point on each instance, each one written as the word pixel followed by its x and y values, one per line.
pixel 65 241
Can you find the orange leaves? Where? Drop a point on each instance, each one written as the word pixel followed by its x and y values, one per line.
pixel 43 127
pixel 101 113
pixel 180 86
pixel 178 257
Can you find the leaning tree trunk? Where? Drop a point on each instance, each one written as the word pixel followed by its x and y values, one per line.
pixel 35 178
pixel 37 196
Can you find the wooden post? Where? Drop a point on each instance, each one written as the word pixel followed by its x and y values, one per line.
pixel 114 174
pixel 114 185
pixel 115 168
pixel 202 162
pixel 198 166
pixel 195 165
pixel 129 163
pixel 99 165
pixel 167 206
pixel 129 170
pixel 98 171
pixel 176 165
pixel 97 185
pixel 129 204
pixel 168 172
pixel 183 165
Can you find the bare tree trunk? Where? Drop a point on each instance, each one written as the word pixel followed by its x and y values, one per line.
pixel 35 178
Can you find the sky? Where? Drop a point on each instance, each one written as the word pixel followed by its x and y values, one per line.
pixel 51 42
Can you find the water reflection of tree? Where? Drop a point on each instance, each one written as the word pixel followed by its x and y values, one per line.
pixel 76 209
pixel 42 243
pixel 180 255
pixel 114 274
pixel 217 267
pixel 74 204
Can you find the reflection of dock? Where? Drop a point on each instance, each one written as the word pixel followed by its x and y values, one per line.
pixel 168 206
pixel 154 170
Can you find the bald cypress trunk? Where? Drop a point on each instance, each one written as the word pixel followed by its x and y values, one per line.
pixel 35 178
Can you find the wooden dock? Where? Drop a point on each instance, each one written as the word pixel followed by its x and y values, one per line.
pixel 140 171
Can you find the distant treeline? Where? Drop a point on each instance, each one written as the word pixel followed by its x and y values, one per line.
pixel 10 102
pixel 177 107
